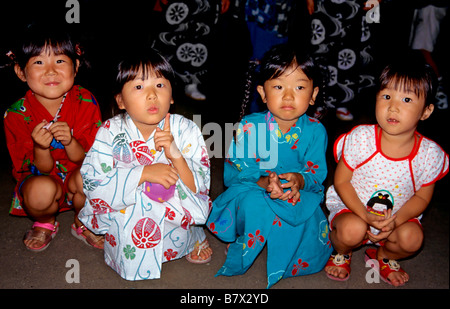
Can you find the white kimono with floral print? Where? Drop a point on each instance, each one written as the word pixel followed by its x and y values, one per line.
pixel 141 234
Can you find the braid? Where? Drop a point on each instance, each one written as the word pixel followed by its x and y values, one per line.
pixel 248 91
pixel 248 87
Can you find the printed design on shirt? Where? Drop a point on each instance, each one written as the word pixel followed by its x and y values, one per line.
pixel 18 108
pixel 379 201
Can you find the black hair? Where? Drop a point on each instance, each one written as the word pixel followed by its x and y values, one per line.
pixel 38 38
pixel 140 64
pixel 274 64
pixel 410 75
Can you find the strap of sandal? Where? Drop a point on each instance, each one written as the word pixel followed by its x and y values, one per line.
pixel 201 246
pixel 47 226
pixel 340 259
pixel 392 264
pixel 81 229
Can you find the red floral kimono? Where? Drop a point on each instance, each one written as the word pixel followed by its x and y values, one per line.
pixel 81 112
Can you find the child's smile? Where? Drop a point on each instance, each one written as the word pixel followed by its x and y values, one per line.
pixel 49 75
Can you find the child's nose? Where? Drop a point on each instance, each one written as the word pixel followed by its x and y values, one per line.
pixel 393 106
pixel 50 70
pixel 288 95
pixel 151 95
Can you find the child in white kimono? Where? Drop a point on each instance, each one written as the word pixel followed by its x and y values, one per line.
pixel 147 176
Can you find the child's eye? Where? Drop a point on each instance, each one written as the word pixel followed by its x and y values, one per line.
pixel 60 61
pixel 386 96
pixel 160 85
pixel 300 87
pixel 407 100
pixel 138 87
pixel 277 87
pixel 38 62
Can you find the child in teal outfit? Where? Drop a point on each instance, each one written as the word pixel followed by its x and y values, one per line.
pixel 274 173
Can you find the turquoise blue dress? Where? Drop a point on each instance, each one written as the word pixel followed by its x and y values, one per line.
pixel 245 215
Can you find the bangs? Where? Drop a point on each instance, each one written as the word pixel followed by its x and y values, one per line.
pixel 140 71
pixel 406 84
pixel 64 48
pixel 142 66
pixel 280 59
pixel 38 41
pixel 413 77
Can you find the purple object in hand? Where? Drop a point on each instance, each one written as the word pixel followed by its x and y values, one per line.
pixel 157 192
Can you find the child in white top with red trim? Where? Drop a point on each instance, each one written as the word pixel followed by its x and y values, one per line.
pixel 385 177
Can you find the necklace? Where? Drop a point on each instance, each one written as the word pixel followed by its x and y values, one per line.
pixel 48 125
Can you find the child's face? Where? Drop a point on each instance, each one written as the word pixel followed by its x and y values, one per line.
pixel 146 101
pixel 398 112
pixel 49 76
pixel 288 96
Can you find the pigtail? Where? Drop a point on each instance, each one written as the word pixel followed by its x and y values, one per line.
pixel 247 91
pixel 248 87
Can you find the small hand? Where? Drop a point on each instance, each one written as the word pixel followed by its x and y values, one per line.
pixel 384 231
pixel 161 173
pixel 274 186
pixel 41 136
pixel 383 223
pixel 61 132
pixel 164 140
pixel 295 183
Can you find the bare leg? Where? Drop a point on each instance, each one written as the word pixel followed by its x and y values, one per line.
pixel 40 198
pixel 404 241
pixel 76 195
pixel 348 232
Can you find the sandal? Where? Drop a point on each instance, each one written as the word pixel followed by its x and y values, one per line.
pixel 199 247
pixel 385 268
pixel 91 240
pixel 342 261
pixel 41 236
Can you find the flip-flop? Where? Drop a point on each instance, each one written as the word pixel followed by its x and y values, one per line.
pixel 41 236
pixel 385 266
pixel 342 261
pixel 199 247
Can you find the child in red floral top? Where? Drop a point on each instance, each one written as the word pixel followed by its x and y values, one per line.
pixel 48 132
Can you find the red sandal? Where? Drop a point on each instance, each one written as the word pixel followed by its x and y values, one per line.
pixel 386 267
pixel 342 261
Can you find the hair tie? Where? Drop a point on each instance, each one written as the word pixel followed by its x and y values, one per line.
pixel 11 55
pixel 78 50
